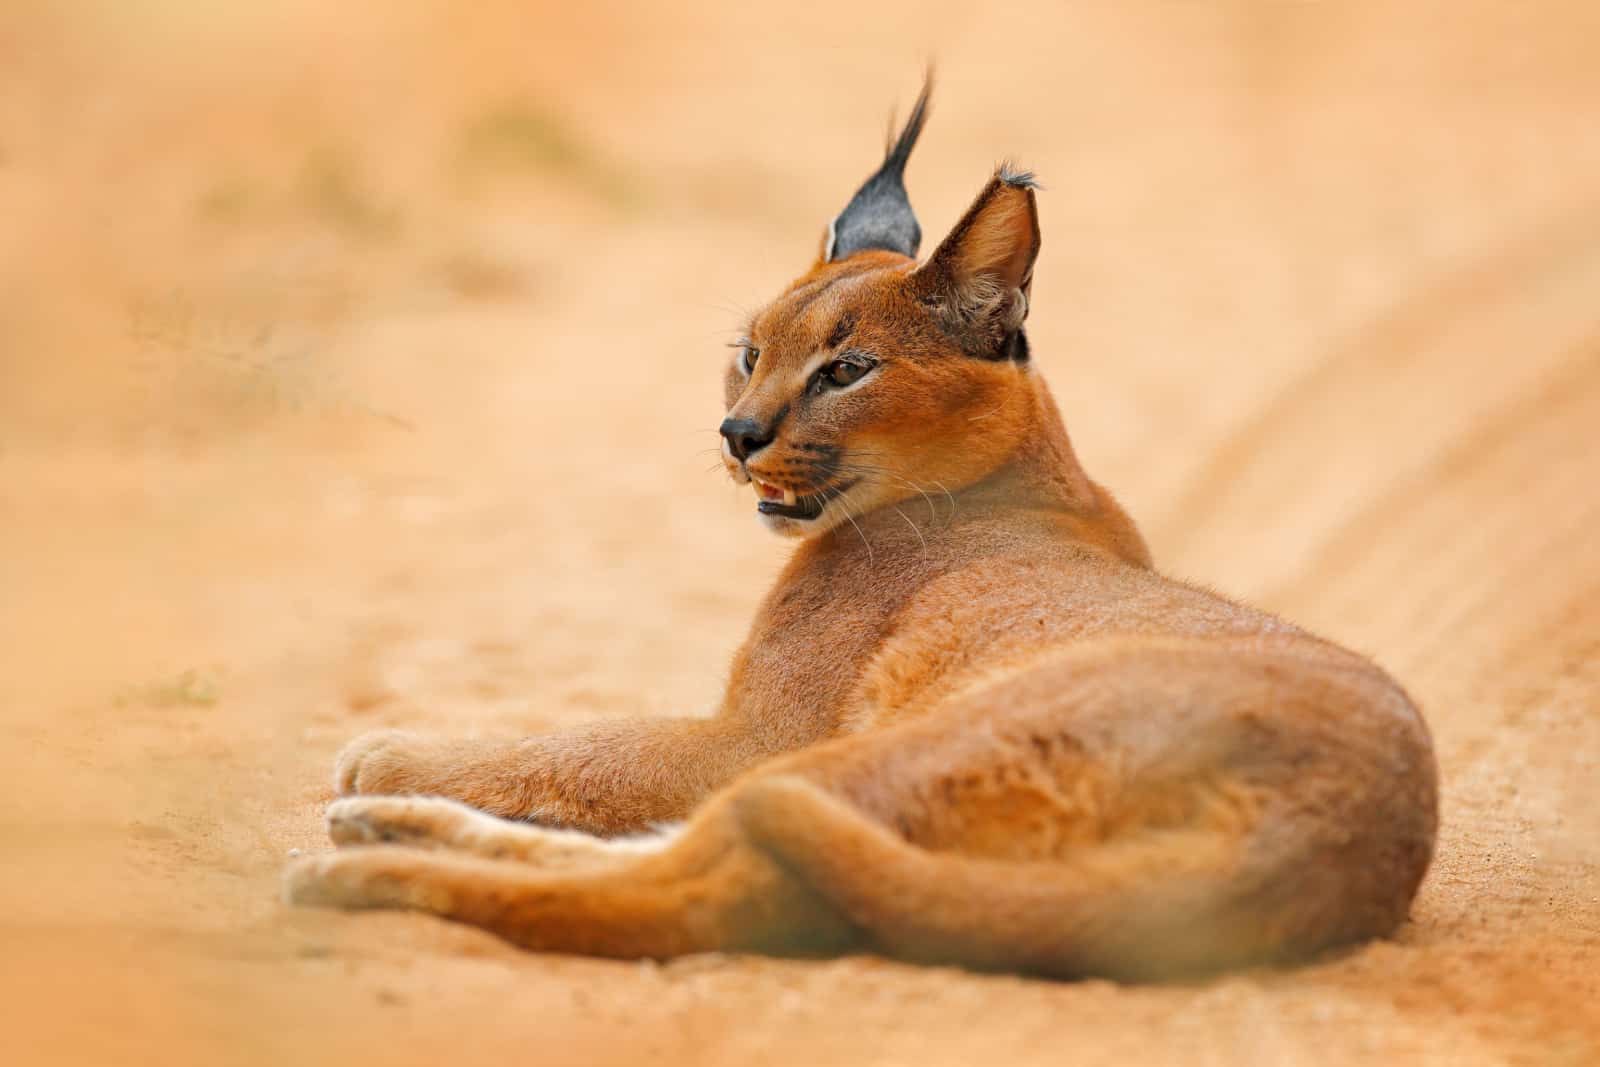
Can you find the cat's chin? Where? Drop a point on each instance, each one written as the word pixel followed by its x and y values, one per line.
pixel 797 528
pixel 802 521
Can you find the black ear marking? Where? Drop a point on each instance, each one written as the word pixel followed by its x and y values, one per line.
pixel 879 216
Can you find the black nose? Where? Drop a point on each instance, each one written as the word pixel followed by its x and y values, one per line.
pixel 745 437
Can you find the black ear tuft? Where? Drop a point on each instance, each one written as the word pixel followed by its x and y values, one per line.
pixel 1017 179
pixel 879 215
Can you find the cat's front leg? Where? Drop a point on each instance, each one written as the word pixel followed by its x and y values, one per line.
pixel 607 778
pixel 506 778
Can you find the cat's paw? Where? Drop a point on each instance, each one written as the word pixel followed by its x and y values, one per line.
pixel 423 822
pixel 491 775
pixel 366 878
pixel 387 762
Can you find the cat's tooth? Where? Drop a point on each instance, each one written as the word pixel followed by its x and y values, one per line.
pixel 789 497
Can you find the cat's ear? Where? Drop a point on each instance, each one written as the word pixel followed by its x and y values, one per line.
pixel 879 216
pixel 980 277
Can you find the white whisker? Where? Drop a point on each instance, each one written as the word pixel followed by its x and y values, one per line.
pixel 838 498
pixel 914 529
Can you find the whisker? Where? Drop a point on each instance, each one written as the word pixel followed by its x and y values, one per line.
pixel 914 529
pixel 735 309
pixel 858 468
pixel 839 499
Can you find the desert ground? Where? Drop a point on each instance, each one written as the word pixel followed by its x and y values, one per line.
pixel 359 366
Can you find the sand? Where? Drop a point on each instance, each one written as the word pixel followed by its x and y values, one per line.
pixel 360 370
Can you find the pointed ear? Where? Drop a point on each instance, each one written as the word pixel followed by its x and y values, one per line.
pixel 980 277
pixel 879 215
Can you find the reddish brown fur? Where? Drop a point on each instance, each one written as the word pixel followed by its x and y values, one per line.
pixel 970 723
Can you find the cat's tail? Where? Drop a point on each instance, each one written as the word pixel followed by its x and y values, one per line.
pixel 1154 904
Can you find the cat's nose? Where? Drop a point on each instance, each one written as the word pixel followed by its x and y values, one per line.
pixel 745 437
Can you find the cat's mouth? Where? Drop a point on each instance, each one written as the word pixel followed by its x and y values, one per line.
pixel 773 500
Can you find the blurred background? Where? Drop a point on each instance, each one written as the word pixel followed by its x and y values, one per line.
pixel 317 323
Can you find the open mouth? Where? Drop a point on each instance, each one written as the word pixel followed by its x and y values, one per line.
pixel 788 503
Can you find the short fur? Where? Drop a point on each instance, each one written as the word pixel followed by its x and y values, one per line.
pixel 970 724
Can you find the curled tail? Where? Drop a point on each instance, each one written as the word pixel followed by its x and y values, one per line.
pixel 1154 904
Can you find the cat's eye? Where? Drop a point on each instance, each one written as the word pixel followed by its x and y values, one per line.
pixel 842 372
pixel 748 359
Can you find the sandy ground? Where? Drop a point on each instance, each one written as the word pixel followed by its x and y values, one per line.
pixel 360 371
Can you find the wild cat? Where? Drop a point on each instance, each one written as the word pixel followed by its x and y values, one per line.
pixel 970 723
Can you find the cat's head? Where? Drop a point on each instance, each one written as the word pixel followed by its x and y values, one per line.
pixel 873 378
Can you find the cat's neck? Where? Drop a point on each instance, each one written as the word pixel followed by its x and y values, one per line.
pixel 1039 491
